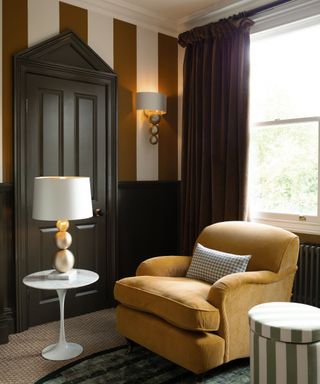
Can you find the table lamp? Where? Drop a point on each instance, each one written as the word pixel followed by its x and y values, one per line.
pixel 62 198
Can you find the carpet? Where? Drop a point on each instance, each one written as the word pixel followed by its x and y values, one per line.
pixel 21 361
pixel 141 367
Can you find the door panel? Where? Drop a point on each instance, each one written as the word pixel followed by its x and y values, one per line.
pixel 66 135
pixel 50 131
pixel 86 126
pixel 85 236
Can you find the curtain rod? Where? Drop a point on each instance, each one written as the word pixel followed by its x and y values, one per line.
pixel 263 8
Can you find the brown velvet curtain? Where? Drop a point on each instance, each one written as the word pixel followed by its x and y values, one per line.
pixel 215 125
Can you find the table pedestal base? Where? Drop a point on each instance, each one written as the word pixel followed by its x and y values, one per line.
pixel 62 351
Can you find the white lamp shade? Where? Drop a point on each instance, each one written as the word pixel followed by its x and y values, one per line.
pixel 153 101
pixel 61 198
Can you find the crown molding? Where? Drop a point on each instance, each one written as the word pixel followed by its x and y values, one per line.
pixel 131 13
pixel 219 10
pixel 282 14
pixel 123 10
pixel 307 10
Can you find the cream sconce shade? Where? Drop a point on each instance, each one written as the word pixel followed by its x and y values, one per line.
pixel 61 199
pixel 154 105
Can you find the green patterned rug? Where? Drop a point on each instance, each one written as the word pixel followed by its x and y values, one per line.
pixel 141 366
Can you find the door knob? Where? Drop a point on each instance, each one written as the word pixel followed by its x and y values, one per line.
pixel 98 212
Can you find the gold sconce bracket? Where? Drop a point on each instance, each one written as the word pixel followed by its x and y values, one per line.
pixel 154 119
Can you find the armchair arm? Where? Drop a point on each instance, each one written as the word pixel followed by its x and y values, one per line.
pixel 174 266
pixel 236 280
pixel 235 294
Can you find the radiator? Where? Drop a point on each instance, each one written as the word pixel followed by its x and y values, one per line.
pixel 306 284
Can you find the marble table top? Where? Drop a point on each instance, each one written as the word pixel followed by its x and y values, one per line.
pixel 40 280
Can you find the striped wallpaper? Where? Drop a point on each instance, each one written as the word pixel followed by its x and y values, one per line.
pixel 143 59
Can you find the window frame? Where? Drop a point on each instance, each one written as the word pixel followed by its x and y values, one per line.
pixel 285 18
pixel 293 222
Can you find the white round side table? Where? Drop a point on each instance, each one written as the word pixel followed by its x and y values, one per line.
pixel 61 350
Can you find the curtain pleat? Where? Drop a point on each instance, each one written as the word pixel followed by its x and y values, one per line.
pixel 215 125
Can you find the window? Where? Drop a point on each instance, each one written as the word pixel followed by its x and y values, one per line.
pixel 285 128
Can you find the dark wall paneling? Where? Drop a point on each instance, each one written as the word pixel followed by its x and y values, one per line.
pixel 147 222
pixel 7 282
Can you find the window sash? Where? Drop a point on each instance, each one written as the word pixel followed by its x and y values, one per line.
pixel 298 223
pixel 298 15
pixel 294 223
pixel 310 119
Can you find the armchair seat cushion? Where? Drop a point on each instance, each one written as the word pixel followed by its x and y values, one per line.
pixel 178 300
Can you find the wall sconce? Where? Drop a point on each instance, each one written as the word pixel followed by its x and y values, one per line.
pixel 154 105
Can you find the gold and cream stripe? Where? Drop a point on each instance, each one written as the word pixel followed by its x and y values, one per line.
pixel 125 65
pixel 100 36
pixel 144 60
pixel 46 26
pixel 180 93
pixel 147 81
pixel 14 39
pixel 1 67
pixel 74 18
pixel 168 84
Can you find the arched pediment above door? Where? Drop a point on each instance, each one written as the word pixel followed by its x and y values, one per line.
pixel 66 49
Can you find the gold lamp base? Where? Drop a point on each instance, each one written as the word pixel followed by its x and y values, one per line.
pixel 64 259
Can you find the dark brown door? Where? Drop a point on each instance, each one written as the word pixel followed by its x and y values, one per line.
pixel 66 135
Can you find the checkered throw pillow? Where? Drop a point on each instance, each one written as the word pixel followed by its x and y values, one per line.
pixel 210 265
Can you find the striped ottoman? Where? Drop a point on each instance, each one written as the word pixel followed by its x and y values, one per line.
pixel 284 344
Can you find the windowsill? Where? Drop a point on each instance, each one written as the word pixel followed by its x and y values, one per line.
pixel 308 227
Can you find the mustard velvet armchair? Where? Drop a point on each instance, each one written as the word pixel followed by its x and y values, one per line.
pixel 200 325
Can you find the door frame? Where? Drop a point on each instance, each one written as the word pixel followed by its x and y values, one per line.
pixel 49 58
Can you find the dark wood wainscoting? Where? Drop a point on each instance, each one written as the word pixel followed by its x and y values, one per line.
pixel 7 267
pixel 148 222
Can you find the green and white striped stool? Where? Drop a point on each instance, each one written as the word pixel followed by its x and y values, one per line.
pixel 284 344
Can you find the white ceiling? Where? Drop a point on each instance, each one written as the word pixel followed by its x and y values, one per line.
pixel 182 11
pixel 179 9
pixel 170 16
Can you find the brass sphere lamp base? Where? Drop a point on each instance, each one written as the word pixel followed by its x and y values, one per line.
pixel 64 259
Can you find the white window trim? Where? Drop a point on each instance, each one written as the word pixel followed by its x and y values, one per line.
pixel 309 119
pixel 299 224
pixel 292 222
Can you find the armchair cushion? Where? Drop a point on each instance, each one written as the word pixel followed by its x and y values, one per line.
pixel 210 265
pixel 178 300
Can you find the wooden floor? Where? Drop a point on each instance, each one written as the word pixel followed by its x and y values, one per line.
pixel 21 361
